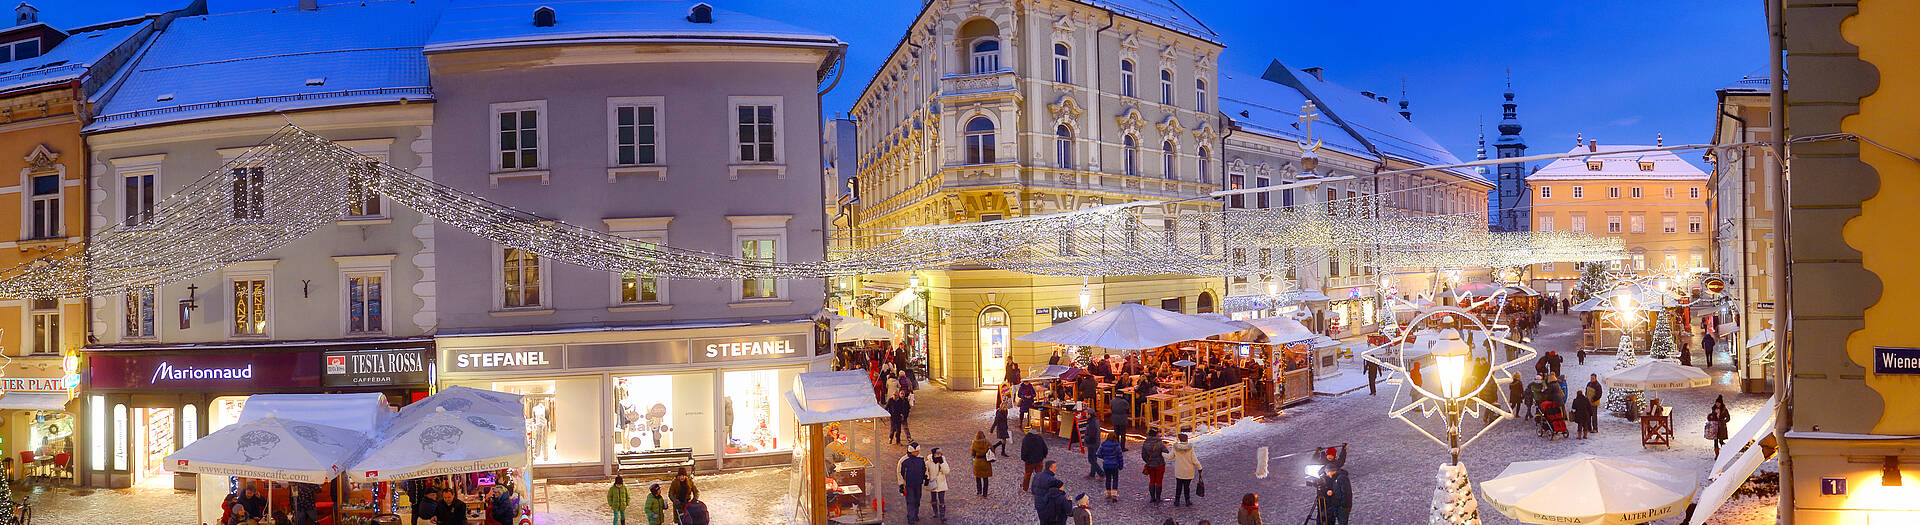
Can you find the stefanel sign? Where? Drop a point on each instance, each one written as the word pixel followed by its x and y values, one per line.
pixel 502 359
pixel 376 367
pixel 740 349
pixel 205 371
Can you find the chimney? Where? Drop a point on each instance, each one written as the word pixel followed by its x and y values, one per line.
pixel 1593 145
pixel 25 14
pixel 701 13
pixel 309 5
pixel 1317 72
pixel 544 17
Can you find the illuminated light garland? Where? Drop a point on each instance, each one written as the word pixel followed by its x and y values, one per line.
pixel 295 182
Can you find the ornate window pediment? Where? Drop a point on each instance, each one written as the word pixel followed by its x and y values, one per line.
pixel 1130 121
pixel 1169 127
pixel 42 159
pixel 1205 133
pixel 1204 63
pixel 1066 110
pixel 1168 53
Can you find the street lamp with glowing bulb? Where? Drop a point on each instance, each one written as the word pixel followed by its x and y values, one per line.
pixel 1450 358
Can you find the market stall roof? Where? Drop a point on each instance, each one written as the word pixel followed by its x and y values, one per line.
pixel 465 400
pixel 271 448
pixel 33 400
pixel 444 442
pixel 1051 372
pixel 825 397
pixel 860 330
pixel 1282 330
pixel 1657 374
pixel 898 302
pixel 1220 317
pixel 1129 327
pixel 1765 336
pixel 365 413
pixel 1590 490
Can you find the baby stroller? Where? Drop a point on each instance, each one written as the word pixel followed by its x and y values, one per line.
pixel 1552 421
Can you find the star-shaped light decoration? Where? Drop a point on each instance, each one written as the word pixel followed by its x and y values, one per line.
pixel 1450 352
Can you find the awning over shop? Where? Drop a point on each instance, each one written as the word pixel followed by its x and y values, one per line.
pixel 1722 487
pixel 1764 337
pixel 825 397
pixel 1726 328
pixel 899 302
pixel 1282 330
pixel 33 401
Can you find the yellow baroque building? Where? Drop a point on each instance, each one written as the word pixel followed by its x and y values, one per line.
pixel 1655 203
pixel 992 110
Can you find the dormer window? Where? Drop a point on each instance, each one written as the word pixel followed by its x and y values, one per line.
pixel 1594 165
pixel 20 50
pixel 1646 165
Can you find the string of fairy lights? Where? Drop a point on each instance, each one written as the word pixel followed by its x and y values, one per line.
pixel 295 182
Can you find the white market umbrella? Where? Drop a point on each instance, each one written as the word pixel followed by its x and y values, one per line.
pixel 1129 327
pixel 1589 490
pixel 464 400
pixel 1282 330
pixel 1765 336
pixel 1657 374
pixel 860 330
pixel 1220 317
pixel 272 448
pixel 443 443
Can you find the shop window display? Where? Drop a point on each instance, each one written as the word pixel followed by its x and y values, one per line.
pixel 664 411
pixel 551 405
pixel 754 417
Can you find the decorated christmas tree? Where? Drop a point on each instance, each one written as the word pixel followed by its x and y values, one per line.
pixel 1661 347
pixel 1593 280
pixel 1617 398
pixel 1453 501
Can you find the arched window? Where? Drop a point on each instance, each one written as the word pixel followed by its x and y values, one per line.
pixel 986 56
pixel 1131 156
pixel 1126 79
pixel 1200 95
pixel 1206 165
pixel 1169 161
pixel 1063 146
pixel 1205 304
pixel 1166 86
pixel 979 141
pixel 1062 65
pixel 994 325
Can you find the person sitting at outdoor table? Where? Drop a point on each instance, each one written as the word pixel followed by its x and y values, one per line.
pixel 237 515
pixel 255 504
pixel 453 510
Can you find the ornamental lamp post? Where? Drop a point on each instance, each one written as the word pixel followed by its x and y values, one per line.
pixel 1450 358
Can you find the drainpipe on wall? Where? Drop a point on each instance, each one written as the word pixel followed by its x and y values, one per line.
pixel 1783 285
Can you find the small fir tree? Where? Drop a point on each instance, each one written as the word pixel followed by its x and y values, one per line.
pixel 1593 280
pixel 1661 347
pixel 1453 501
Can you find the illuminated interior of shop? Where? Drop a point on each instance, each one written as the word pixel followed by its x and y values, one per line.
pixel 755 416
pixel 663 411
pixel 573 404
pixel 994 337
pixel 153 440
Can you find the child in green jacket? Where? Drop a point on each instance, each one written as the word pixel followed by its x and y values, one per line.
pixel 617 500
pixel 656 507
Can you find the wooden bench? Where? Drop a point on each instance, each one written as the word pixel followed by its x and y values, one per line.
pixel 657 461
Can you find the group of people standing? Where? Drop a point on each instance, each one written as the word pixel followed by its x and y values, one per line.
pixel 686 508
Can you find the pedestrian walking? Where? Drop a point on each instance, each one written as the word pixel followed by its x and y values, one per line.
pixel 696 512
pixel 937 482
pixel 1117 413
pixel 1582 353
pixel 1336 495
pixel 1033 450
pixel 912 480
pixel 982 463
pixel 1717 419
pixel 1153 461
pixel 1090 444
pixel 999 427
pixel 656 506
pixel 1049 476
pixel 1560 382
pixel 617 500
pixel 1250 509
pixel 1026 402
pixel 1186 466
pixel 1373 374
pixel 896 417
pixel 1413 373
pixel 1582 410
pixel 1706 345
pixel 682 492
pixel 1082 510
pixel 1516 396
pixel 1112 458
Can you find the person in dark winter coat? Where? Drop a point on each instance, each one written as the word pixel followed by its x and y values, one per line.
pixel 1090 442
pixel 1516 396
pixel 1053 507
pixel 1049 476
pixel 1026 402
pixel 1594 390
pixel 1719 417
pixel 1120 409
pixel 999 428
pixel 1706 345
pixel 1153 456
pixel 1582 409
pixel 1336 496
pixel 1373 374
pixel 1112 459
pixel 896 417
pixel 912 480
pixel 1033 450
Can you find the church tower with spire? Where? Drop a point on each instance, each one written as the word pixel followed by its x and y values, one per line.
pixel 1512 197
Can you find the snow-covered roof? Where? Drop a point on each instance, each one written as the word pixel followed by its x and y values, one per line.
pixel 277 60
pixel 1163 13
pixel 469 24
pixel 69 59
pixel 1273 109
pixel 1666 165
pixel 1371 121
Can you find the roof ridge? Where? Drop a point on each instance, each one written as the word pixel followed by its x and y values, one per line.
pixel 280 55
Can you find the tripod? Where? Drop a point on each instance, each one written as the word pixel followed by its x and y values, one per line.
pixel 1319 508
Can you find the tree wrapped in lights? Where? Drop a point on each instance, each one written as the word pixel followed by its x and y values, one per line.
pixel 1661 347
pixel 1453 501
pixel 1593 280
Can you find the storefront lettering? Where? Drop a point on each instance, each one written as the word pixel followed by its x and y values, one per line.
pixel 750 348
pixel 1896 361
pixel 166 372
pixel 32 384
pixel 501 359
pixel 377 367
pixel 733 349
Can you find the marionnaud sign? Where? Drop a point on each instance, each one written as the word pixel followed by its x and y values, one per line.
pixel 738 349
pixel 1896 360
pixel 199 371
pixel 377 367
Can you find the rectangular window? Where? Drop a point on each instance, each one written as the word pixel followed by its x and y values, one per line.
pixel 1694 259
pixel 1669 223
pixel 137 190
pixel 637 287
pixel 1235 182
pixel 1169 234
pixel 1166 87
pixel 1693 224
pixel 1693 193
pixel 1546 223
pixel 1635 192
pixel 519 132
pixel 140 312
pixel 1353 262
pixel 1637 223
pixel 1613 192
pixel 1639 261
pixel 364 303
pixel 520 279
pixel 1613 223
pixel 249 193
pixel 362 201
pixel 1672 260
pixel 20 50
pixel 1266 259
pixel 1577 223
pixel 1669 193
pixel 1239 258
pixel 1062 65
pixel 1333 263
pixel 46 207
pixel 763 251
pixel 1546 192
pixel 755 132
pixel 1287 260
pixel 1265 197
pixel 1578 192
pixel 249 307
pixel 1546 267
pixel 636 131
pixel 1286 198
pixel 46 327
pixel 1200 95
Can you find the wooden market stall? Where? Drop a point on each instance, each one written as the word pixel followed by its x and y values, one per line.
pixel 839 433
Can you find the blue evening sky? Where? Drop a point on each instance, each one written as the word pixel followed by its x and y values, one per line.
pixel 1618 71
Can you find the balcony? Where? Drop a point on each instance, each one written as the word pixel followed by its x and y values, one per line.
pixel 977 85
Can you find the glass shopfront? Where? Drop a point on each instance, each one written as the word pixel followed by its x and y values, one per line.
pixel 995 335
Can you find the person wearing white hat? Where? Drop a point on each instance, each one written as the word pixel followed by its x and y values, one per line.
pixel 1082 510
pixel 913 478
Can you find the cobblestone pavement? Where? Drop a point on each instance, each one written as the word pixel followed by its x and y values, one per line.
pixel 1393 467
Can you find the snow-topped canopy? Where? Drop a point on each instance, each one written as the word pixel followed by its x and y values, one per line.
pixel 272 448
pixel 471 24
pixel 1282 330
pixel 365 412
pixel 825 397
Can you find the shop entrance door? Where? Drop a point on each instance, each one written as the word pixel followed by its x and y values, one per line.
pixel 153 442
pixel 994 342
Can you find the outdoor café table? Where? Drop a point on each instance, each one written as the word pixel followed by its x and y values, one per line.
pixel 1657 429
pixel 1157 409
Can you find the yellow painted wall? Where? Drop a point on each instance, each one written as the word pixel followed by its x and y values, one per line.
pixel 1653 202
pixel 1884 230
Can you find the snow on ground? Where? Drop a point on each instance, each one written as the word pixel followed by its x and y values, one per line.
pixel 1392 466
